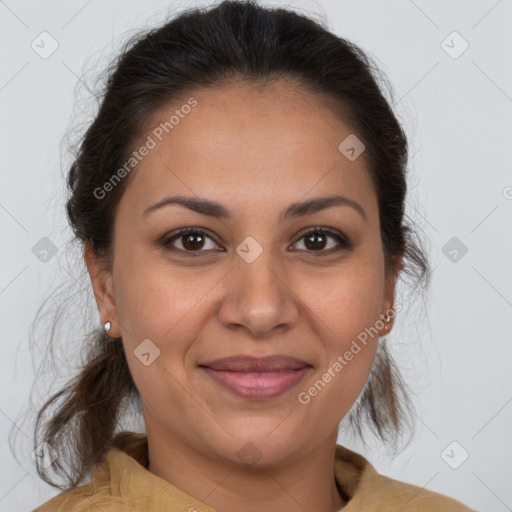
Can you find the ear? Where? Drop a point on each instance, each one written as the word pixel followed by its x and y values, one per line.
pixel 389 299
pixel 104 291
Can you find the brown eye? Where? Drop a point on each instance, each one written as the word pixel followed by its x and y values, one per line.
pixel 189 240
pixel 317 240
pixel 193 241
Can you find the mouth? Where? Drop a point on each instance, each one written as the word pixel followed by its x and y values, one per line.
pixel 251 377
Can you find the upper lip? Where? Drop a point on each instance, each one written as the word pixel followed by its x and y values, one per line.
pixel 256 364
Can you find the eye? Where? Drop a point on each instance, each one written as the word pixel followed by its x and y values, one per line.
pixel 315 241
pixel 193 240
pixel 190 239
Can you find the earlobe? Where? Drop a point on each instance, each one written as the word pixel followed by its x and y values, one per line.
pixel 102 283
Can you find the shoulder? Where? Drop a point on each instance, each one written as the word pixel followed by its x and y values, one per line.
pixel 373 492
pixel 81 499
pixel 395 495
pixel 99 494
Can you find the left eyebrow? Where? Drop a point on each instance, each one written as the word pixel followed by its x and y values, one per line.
pixel 217 210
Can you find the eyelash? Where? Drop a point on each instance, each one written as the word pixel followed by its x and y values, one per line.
pixel 343 241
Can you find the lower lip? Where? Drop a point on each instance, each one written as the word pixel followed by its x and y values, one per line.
pixel 257 385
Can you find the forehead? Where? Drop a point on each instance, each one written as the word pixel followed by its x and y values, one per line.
pixel 239 143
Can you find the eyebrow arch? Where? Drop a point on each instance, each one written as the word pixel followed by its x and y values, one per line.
pixel 217 210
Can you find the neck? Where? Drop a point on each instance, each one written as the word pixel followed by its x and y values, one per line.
pixel 307 482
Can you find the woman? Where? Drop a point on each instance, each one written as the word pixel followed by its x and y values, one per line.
pixel 240 200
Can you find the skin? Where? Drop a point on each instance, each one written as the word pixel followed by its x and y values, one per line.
pixel 239 146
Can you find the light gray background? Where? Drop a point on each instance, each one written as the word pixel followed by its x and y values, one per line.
pixel 457 113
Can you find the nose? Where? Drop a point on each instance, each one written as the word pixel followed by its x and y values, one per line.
pixel 258 298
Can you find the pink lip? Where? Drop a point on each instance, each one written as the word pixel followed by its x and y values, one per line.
pixel 257 377
pixel 257 384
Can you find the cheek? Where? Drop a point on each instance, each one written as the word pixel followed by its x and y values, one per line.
pixel 156 303
pixel 344 309
pixel 153 299
pixel 171 306
pixel 345 301
pixel 165 305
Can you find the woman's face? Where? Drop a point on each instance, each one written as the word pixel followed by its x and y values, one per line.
pixel 258 283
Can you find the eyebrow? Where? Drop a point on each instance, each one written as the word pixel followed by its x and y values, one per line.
pixel 217 210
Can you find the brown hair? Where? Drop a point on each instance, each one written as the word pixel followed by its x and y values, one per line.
pixel 202 48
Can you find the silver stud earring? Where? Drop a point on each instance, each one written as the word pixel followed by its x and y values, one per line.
pixel 107 326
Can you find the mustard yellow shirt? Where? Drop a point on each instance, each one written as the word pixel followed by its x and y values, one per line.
pixel 123 484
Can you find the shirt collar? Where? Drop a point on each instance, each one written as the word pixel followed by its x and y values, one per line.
pixel 126 475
